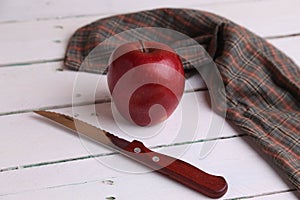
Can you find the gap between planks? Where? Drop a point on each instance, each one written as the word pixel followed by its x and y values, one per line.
pixel 56 107
pixel 32 62
pixel 51 187
pixel 100 101
pixel 109 182
pixel 264 194
pixel 281 36
pixel 44 61
pixel 112 153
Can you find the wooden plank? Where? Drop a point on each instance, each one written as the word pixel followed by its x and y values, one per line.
pixel 265 18
pixel 247 175
pixel 39 86
pixel 38 41
pixel 27 129
pixel 42 85
pixel 13 10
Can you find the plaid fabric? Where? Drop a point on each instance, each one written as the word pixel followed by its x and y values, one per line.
pixel 262 84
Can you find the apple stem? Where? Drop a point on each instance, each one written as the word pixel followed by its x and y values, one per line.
pixel 144 50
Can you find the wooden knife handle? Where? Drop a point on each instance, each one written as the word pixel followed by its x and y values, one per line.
pixel 178 170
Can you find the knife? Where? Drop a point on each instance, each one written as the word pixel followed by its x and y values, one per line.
pixel 173 168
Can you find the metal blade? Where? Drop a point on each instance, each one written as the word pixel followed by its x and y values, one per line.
pixel 85 129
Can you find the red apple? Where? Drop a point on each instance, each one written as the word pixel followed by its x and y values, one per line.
pixel 146 80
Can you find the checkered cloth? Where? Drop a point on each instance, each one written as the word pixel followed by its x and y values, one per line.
pixel 262 84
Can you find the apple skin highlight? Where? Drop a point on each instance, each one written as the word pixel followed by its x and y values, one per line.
pixel 146 80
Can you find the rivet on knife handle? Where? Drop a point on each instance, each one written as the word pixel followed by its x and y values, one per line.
pixel 178 170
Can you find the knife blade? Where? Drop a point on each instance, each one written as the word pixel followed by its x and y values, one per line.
pixel 173 168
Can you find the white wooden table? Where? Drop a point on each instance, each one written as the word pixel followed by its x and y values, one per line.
pixel 39 160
